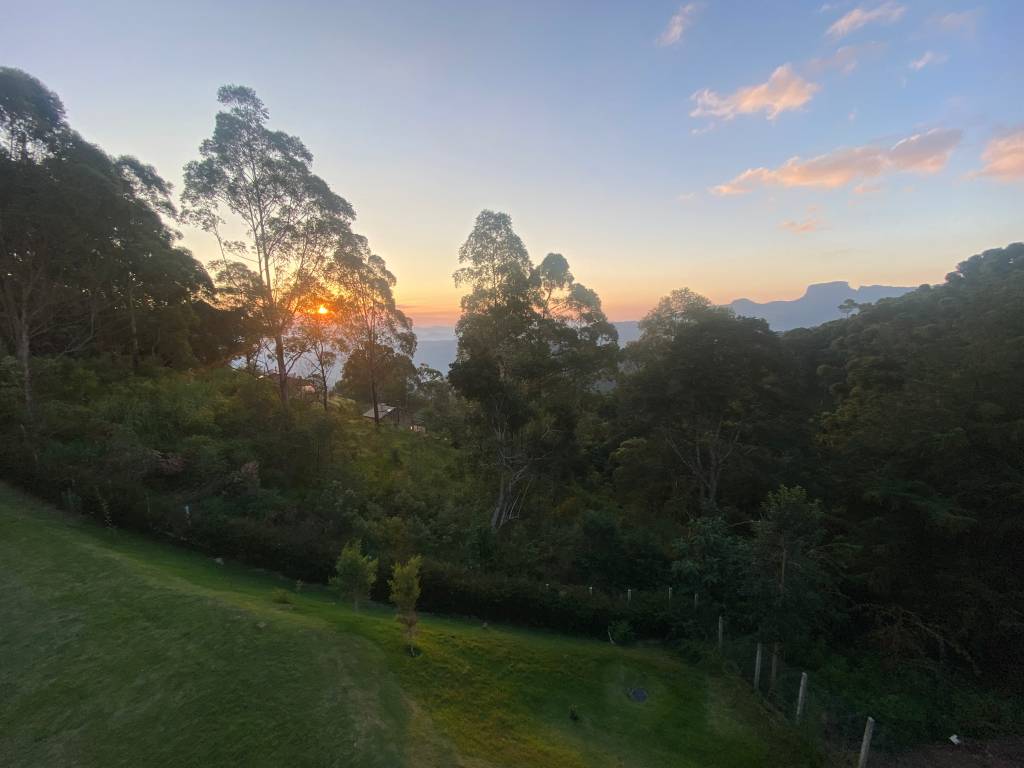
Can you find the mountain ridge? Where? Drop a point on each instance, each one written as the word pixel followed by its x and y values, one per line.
pixel 818 304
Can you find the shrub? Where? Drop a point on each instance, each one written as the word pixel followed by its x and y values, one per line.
pixel 621 632
pixel 355 572
pixel 405 592
pixel 281 596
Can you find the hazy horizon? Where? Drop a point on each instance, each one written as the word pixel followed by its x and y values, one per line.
pixel 741 151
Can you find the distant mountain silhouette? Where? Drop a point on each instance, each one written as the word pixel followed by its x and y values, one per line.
pixel 818 305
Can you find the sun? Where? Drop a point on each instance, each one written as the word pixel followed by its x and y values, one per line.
pixel 322 310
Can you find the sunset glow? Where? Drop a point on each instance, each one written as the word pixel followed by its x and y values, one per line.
pixel 739 149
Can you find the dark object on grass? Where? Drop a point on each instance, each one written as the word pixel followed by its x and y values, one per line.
pixel 638 695
pixel 573 714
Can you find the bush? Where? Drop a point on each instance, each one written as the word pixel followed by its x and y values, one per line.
pixel 621 632
pixel 281 596
pixel 405 593
pixel 356 573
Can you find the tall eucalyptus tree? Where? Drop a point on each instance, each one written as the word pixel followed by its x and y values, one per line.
pixel 260 182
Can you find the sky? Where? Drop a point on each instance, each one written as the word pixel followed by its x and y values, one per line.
pixel 742 149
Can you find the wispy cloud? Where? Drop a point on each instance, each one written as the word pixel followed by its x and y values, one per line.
pixel 812 223
pixel 865 188
pixel 927 59
pixel 681 21
pixel 926 152
pixel 1004 157
pixel 886 13
pixel 963 22
pixel 846 58
pixel 784 90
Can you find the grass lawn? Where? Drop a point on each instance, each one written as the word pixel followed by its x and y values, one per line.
pixel 119 651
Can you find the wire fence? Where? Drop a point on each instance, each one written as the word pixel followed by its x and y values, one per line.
pixel 842 729
pixel 836 725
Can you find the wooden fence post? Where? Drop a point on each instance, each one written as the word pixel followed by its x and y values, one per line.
pixel 865 745
pixel 801 697
pixel 757 668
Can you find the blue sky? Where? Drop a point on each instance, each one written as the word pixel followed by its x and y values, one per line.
pixel 738 148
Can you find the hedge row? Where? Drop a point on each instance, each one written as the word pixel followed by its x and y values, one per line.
pixel 215 527
pixel 572 609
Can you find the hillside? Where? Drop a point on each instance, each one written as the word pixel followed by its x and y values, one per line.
pixel 121 651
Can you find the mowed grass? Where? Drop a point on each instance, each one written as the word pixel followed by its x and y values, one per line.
pixel 119 651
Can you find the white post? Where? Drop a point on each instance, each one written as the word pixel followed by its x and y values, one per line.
pixel 591 591
pixel 865 745
pixel 670 594
pixel 721 632
pixel 801 697
pixel 757 668
pixel 629 595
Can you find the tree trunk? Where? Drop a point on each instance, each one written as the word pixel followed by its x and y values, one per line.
pixel 24 353
pixel 282 371
pixel 498 516
pixel 134 329
pixel 775 667
pixel 371 364
pixel 373 398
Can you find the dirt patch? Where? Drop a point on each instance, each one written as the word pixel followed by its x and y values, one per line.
pixel 994 753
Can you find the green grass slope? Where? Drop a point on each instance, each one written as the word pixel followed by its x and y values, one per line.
pixel 119 651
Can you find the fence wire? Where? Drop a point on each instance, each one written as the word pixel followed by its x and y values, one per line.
pixel 831 722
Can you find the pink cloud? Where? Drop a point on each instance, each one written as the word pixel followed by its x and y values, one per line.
pixel 784 90
pixel 804 227
pixel 921 153
pixel 1004 157
pixel 681 21
pixel 886 13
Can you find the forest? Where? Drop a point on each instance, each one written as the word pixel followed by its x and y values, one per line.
pixel 850 495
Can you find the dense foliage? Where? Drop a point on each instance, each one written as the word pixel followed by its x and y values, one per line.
pixel 855 487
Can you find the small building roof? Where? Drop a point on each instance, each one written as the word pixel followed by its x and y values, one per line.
pixel 383 409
